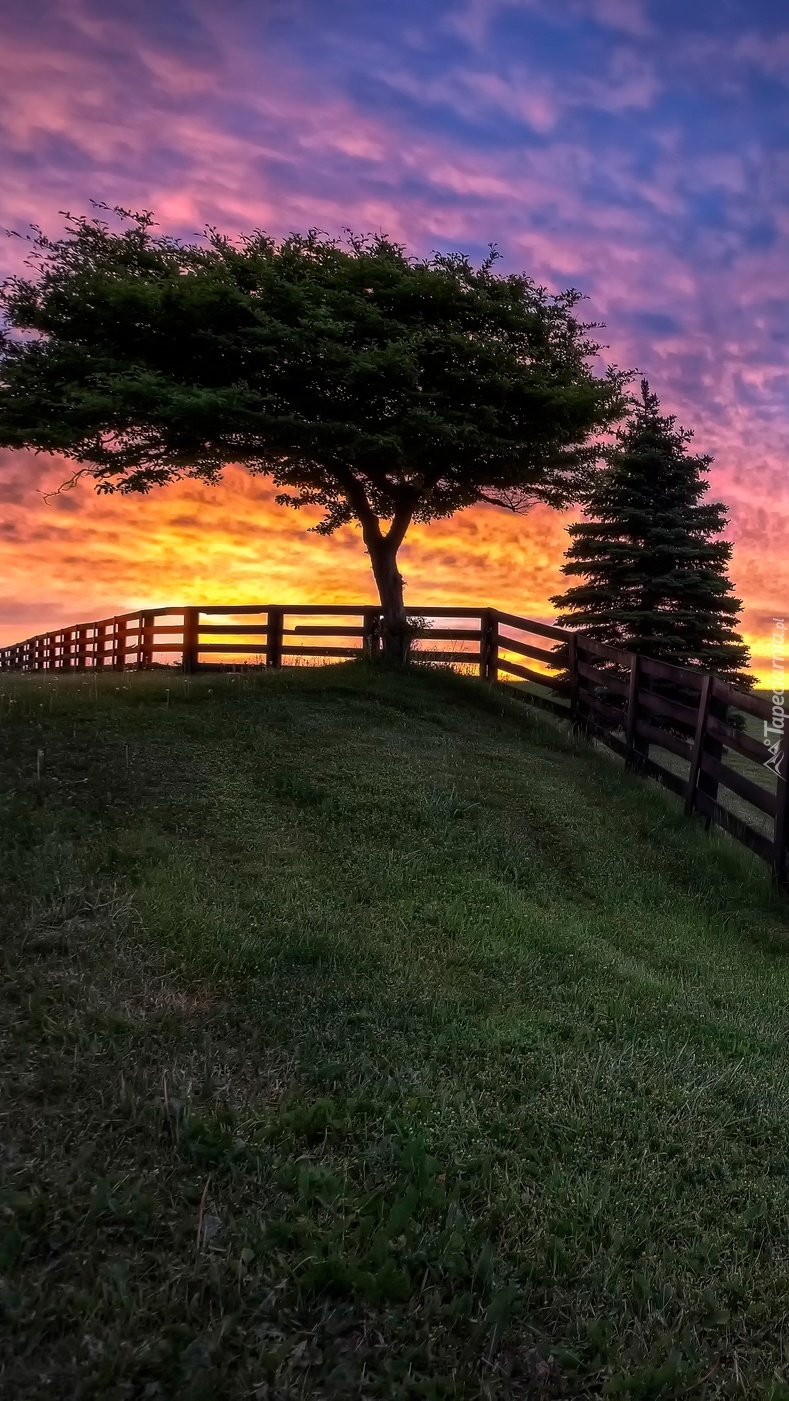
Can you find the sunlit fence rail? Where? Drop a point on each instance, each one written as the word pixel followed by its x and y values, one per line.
pixel 694 733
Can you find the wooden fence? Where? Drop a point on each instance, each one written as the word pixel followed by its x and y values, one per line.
pixel 688 729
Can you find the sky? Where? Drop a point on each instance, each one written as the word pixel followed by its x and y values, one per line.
pixel 635 149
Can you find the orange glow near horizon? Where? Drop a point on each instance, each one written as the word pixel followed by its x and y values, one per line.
pixel 77 556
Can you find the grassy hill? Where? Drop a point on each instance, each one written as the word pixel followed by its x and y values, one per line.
pixel 364 1035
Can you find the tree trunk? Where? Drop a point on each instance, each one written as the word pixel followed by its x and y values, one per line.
pixel 382 549
pixel 394 623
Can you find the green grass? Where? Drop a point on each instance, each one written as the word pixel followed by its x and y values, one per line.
pixel 366 1035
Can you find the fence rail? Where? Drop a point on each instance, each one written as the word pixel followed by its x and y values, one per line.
pixel 690 730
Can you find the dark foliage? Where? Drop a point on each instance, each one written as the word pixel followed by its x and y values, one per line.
pixel 650 557
pixel 375 386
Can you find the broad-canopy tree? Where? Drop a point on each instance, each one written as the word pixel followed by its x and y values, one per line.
pixel 378 387
pixel 650 559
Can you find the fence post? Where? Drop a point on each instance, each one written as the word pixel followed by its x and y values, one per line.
pixel 572 675
pixel 191 639
pixel 145 641
pixel 719 709
pixel 119 645
pixel 781 829
pixel 371 632
pixel 275 620
pixel 99 645
pixel 698 743
pixel 632 711
pixel 637 681
pixel 489 645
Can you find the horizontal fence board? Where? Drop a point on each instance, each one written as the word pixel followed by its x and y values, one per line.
pixel 734 825
pixel 670 709
pixel 738 740
pixel 526 649
pixel 527 674
pixel 665 671
pixel 431 654
pixel 146 613
pixel 555 706
pixel 120 618
pixel 511 620
pixel 740 784
pixel 602 678
pixel 330 610
pixel 151 647
pixel 450 634
pixel 759 706
pixel 675 744
pixel 614 719
pixel 444 612
pixel 246 609
pixel 601 649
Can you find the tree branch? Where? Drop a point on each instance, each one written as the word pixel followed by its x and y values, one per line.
pixel 518 507
pixel 67 486
pixel 357 497
pixel 396 533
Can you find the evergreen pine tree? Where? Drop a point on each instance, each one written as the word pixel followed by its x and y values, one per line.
pixel 650 557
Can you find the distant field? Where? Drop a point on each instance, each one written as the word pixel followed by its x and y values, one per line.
pixel 366 1035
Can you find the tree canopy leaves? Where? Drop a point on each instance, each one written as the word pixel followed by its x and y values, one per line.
pixel 358 378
